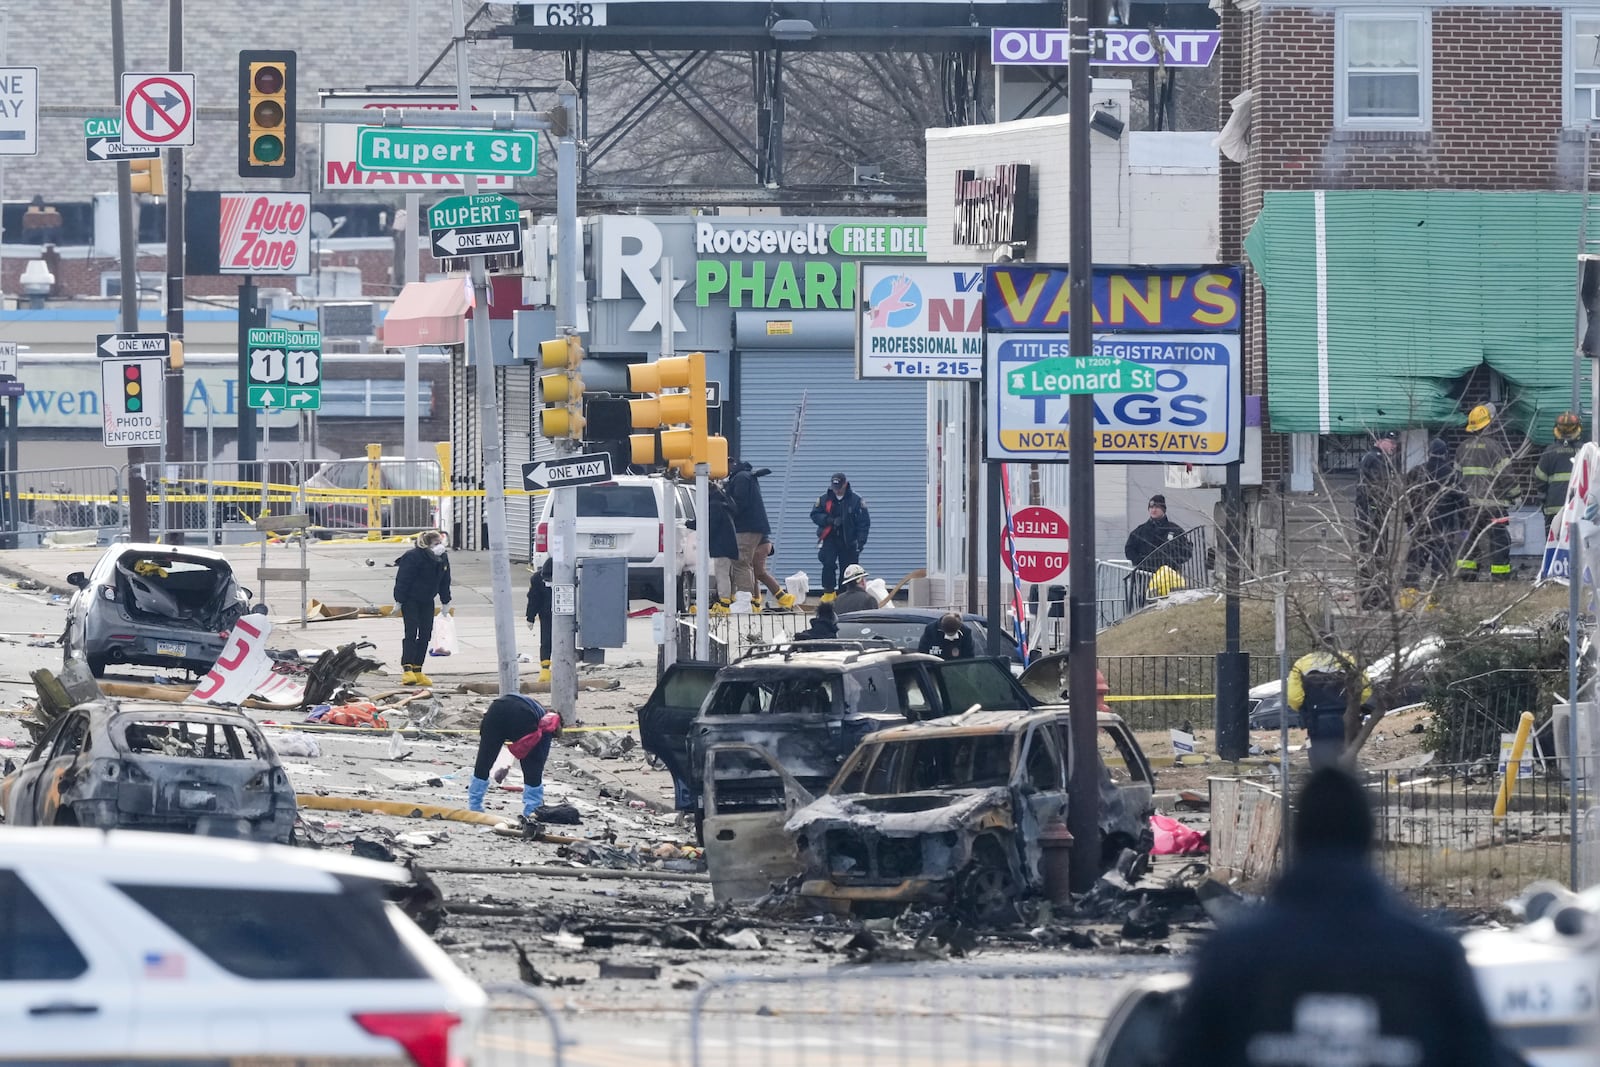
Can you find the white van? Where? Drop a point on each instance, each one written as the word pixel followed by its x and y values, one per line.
pixel 622 517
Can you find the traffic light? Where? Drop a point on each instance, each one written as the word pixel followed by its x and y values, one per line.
pixel 667 411
pixel 132 388
pixel 562 415
pixel 149 176
pixel 266 113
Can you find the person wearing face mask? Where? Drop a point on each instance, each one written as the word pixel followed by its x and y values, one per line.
pixel 421 574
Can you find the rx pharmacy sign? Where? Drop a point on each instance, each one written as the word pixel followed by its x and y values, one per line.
pixel 1164 372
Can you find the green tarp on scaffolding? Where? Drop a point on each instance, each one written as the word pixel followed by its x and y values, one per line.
pixel 1379 303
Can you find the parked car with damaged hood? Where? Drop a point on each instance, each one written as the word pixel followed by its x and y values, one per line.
pixel 126 948
pixel 808 704
pixel 155 605
pixel 950 810
pixel 148 766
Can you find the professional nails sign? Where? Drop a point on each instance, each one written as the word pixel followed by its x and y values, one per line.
pixel 1165 370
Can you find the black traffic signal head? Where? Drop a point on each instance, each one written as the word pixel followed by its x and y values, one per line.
pixel 266 113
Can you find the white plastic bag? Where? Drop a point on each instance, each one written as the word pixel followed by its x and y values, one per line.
pixel 444 635
pixel 797 585
pixel 879 589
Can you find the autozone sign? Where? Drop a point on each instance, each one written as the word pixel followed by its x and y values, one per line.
pixel 265 233
pixel 340 144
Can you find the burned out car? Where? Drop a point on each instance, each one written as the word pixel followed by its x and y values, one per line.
pixel 950 810
pixel 148 766
pixel 807 704
pixel 155 605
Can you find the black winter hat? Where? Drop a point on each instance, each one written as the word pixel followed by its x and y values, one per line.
pixel 1158 501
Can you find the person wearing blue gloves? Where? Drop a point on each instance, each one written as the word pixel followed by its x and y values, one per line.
pixel 524 723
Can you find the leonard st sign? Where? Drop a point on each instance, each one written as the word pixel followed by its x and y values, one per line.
pixel 1164 372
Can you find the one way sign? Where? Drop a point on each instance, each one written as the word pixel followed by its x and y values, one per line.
pixel 573 470
pixel 133 344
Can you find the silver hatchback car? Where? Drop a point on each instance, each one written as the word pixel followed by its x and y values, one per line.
pixel 156 605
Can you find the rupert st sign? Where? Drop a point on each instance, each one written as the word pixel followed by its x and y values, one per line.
pixel 1164 371
pixel 265 233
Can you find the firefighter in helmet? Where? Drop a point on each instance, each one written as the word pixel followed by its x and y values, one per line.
pixel 1485 464
pixel 1555 465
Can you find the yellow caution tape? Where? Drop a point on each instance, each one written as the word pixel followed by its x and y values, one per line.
pixel 1160 696
pixel 312 727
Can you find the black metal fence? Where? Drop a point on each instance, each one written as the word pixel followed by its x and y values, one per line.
pixel 1162 692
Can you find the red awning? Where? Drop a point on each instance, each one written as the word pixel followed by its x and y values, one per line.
pixel 428 313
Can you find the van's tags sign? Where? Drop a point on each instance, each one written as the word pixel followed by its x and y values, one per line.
pixel 1165 370
pixel 265 233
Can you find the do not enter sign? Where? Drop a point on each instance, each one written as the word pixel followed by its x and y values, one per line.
pixel 1040 539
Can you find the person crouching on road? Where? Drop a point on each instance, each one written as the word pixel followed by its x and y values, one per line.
pixel 421 574
pixel 522 722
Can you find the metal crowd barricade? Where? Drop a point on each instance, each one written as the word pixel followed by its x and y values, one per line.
pixel 62 505
pixel 520 1028
pixel 734 635
pixel 216 502
pixel 952 1014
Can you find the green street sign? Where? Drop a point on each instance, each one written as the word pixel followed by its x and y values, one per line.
pixel 485 209
pixel 284 369
pixel 1074 375
pixel 447 151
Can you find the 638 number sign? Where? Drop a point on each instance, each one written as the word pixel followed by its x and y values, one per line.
pixel 569 14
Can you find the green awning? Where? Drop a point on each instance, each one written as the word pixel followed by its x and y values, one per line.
pixel 1380 302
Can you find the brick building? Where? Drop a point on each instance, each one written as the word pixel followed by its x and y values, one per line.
pixel 1402 183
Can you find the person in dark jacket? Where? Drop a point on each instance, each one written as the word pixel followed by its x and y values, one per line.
pixel 853 595
pixel 824 625
pixel 1335 968
pixel 947 637
pixel 750 523
pixel 1155 543
pixel 1485 461
pixel 539 603
pixel 723 546
pixel 1377 523
pixel 524 724
pixel 420 575
pixel 1435 505
pixel 842 522
pixel 1555 465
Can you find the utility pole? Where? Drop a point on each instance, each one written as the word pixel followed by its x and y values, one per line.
pixel 1083 796
pixel 173 379
pixel 564 544
pixel 494 472
pixel 413 356
pixel 128 233
pixel 669 498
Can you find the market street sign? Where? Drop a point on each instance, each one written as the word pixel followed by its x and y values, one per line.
pixel 573 470
pixel 284 369
pixel 102 142
pixel 133 344
pixel 389 148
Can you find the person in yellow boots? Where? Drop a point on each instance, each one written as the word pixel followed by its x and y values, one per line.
pixel 1485 461
pixel 421 574
pixel 1555 465
pixel 539 613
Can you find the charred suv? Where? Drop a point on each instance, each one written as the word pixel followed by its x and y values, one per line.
pixel 155 605
pixel 112 765
pixel 807 705
pixel 951 810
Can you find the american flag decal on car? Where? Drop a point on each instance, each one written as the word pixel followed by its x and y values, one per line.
pixel 163 965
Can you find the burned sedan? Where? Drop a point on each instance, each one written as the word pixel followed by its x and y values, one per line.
pixel 146 766
pixel 951 811
pixel 155 605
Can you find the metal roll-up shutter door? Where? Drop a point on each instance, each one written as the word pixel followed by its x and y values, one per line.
pixel 516 430
pixel 874 431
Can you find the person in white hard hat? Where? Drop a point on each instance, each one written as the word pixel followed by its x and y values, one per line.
pixel 853 595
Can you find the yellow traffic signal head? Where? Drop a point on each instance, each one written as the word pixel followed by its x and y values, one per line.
pixel 148 176
pixel 644 414
pixel 561 352
pixel 642 447
pixel 560 388
pixel 677 446
pixel 561 422
pixel 717 455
